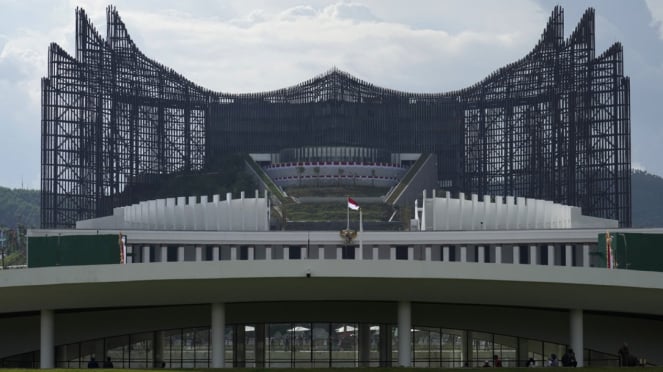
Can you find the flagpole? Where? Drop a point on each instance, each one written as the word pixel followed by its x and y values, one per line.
pixel 347 206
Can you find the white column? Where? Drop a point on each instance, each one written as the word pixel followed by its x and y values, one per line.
pixel 551 255
pixel 427 254
pixel 576 332
pixel 410 253
pixel 498 254
pixel 445 254
pixel 532 255
pixel 199 253
pixel 252 253
pixel 47 337
pixel 164 253
pixel 215 253
pixel 339 253
pixel 286 253
pixel 482 254
pixel 585 255
pixel 404 334
pixel 463 254
pixel 146 254
pixel 376 253
pixel 569 255
pixel 392 253
pixel 359 252
pixel 268 253
pixel 233 253
pixel 516 255
pixel 180 254
pixel 321 253
pixel 218 334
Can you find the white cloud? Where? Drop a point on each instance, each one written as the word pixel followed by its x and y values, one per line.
pixel 656 10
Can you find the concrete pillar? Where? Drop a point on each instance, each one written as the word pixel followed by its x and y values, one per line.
pixel 445 254
pixel 339 253
pixel 199 253
pixel 533 257
pixel 268 253
pixel 47 340
pixel 410 253
pixel 321 253
pixel 482 254
pixel 404 334
pixel 376 253
pixel 463 254
pixel 585 255
pixel 576 332
pixel 217 335
pixel 364 345
pixel 215 253
pixel 427 253
pixel 286 253
pixel 180 254
pixel 252 253
pixel 303 253
pixel 233 253
pixel 392 253
pixel 146 254
pixel 259 348
pixel 569 255
pixel 551 255
pixel 385 345
pixel 498 254
pixel 164 253
pixel 516 255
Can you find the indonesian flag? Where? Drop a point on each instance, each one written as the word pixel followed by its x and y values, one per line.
pixel 353 204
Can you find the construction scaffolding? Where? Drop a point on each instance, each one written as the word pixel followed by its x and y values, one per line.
pixel 554 125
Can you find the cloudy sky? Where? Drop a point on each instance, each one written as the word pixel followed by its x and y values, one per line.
pixel 254 45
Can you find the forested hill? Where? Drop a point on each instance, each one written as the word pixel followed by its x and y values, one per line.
pixel 647 199
pixel 19 207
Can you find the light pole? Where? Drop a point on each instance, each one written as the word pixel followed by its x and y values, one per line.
pixel 2 246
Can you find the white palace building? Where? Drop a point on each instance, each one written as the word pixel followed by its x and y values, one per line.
pixel 207 284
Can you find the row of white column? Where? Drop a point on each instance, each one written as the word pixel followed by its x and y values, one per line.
pixel 218 324
pixel 481 254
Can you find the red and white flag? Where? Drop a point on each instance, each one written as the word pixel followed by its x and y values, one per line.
pixel 353 204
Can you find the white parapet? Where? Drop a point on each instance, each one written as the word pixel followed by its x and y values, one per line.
pixel 187 213
pixel 504 213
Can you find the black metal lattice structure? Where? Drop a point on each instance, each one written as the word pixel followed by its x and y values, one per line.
pixel 554 125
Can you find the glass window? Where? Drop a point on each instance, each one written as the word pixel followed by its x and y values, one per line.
pixel 344 344
pixel 278 354
pixel 452 348
pixel 320 345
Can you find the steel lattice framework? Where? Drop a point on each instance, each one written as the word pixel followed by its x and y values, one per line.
pixel 554 125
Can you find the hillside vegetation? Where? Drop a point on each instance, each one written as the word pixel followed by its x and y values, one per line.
pixel 19 207
pixel 647 199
